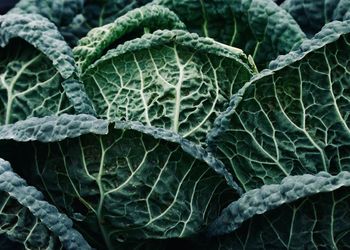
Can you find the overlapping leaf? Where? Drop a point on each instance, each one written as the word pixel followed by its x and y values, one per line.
pixel 20 226
pixel 25 217
pixel 303 212
pixel 131 186
pixel 65 14
pixel 313 15
pixel 60 12
pixel 74 18
pixel 169 79
pixel 124 182
pixel 34 62
pixel 259 27
pixel 133 24
pixel 293 119
pixel 97 13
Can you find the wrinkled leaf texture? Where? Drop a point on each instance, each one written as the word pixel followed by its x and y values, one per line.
pixel 292 119
pixel 259 27
pixel 166 186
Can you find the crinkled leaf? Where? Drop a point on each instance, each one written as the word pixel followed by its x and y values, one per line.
pixel 63 13
pixel 259 27
pixel 97 13
pixel 132 24
pixel 29 84
pixel 125 182
pixel 75 92
pixel 20 226
pixel 268 197
pixel 60 12
pixel 170 79
pixel 34 63
pixel 319 221
pixel 293 119
pixel 32 229
pixel 42 34
pixel 312 15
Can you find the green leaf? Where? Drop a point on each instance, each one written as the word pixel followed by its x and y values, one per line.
pixel 259 27
pixel 30 198
pixel 313 15
pixel 169 79
pixel 101 12
pixel 22 228
pixel 43 35
pixel 268 197
pixel 75 92
pixel 34 63
pixel 123 182
pixel 74 18
pixel 60 12
pixel 292 119
pixel 65 14
pixel 303 212
pixel 97 13
pixel 134 23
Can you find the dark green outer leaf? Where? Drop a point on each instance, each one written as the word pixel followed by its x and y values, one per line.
pixel 313 15
pixel 92 47
pixel 268 197
pixel 293 119
pixel 169 79
pixel 31 198
pixel 75 92
pixel 53 128
pixel 98 13
pixel 19 225
pixel 60 12
pixel 29 84
pixel 32 78
pixel 65 14
pixel 320 221
pixel 342 12
pixel 259 27
pixel 43 35
pixel 58 128
pixel 148 198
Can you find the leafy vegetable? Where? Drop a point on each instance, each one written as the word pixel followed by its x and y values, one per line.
pixel 292 119
pixel 98 13
pixel 32 199
pixel 320 220
pixel 148 18
pixel 74 18
pixel 60 12
pixel 147 125
pixel 166 186
pixel 258 201
pixel 259 27
pixel 169 79
pixel 313 15
pixel 33 70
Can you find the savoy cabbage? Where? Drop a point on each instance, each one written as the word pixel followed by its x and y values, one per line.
pixel 194 124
